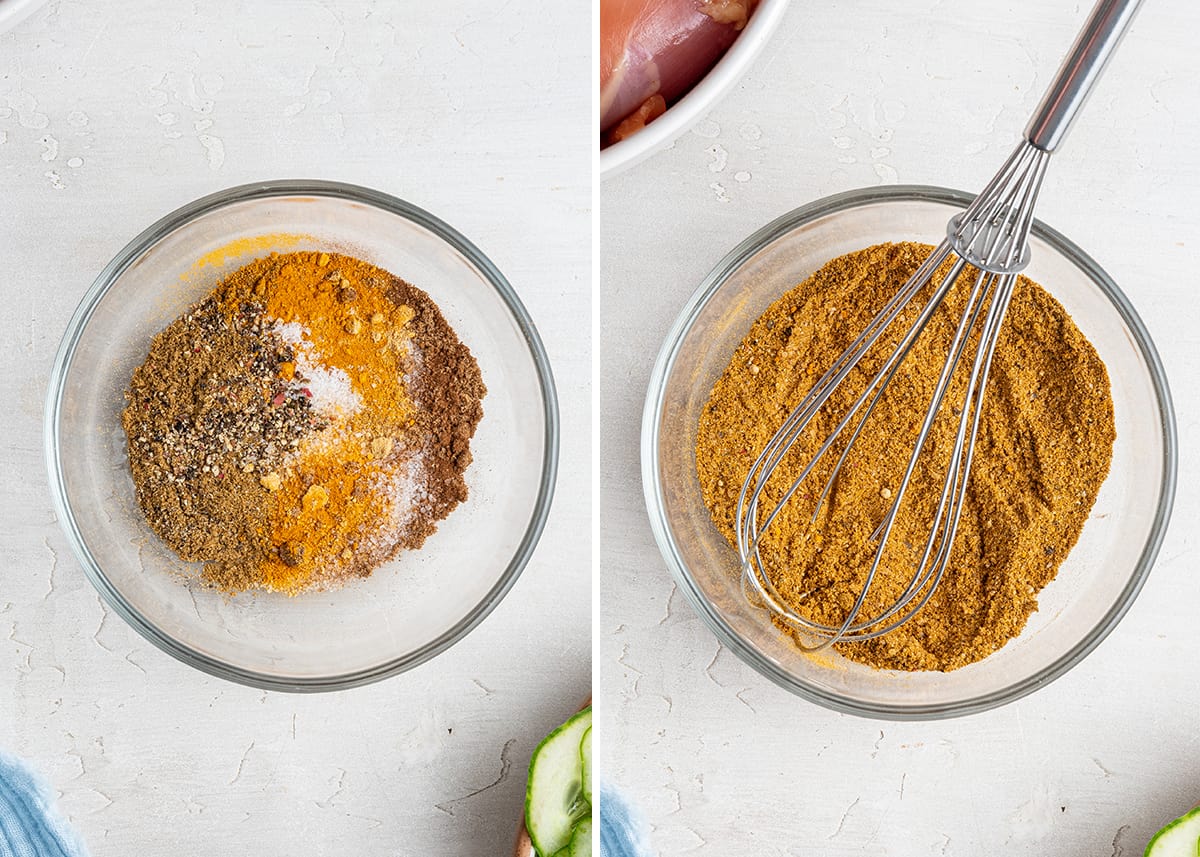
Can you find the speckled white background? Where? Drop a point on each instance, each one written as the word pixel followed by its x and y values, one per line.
pixel 114 113
pixel 847 95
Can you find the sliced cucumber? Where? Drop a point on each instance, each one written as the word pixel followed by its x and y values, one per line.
pixel 585 758
pixel 581 839
pixel 554 801
pixel 1180 838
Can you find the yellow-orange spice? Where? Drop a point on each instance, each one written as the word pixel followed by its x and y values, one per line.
pixel 349 324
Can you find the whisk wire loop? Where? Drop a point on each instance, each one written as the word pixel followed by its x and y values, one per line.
pixel 992 236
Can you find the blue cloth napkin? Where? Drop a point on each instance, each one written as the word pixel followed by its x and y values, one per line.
pixel 622 828
pixel 29 824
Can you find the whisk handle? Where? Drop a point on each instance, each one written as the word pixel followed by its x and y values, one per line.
pixel 1079 72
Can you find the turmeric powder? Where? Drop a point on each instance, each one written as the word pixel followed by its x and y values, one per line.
pixel 1044 446
pixel 338 458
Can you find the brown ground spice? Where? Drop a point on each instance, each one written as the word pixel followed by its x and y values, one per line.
pixel 448 392
pixel 1044 447
pixel 200 408
pixel 235 464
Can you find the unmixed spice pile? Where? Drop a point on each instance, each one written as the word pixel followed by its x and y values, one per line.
pixel 1044 447
pixel 303 423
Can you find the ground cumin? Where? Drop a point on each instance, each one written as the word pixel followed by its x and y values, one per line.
pixel 303 423
pixel 1043 450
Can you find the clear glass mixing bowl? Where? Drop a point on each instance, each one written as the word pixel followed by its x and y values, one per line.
pixel 1095 585
pixel 410 609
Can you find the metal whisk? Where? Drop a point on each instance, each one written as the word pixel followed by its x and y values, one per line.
pixel 991 235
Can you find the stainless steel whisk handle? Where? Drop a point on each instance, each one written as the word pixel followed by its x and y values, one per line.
pixel 1079 72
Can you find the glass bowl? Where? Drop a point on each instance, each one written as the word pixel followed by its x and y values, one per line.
pixel 410 609
pixel 1095 585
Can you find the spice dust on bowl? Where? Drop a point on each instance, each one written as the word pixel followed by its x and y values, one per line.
pixel 1070 483
pixel 302 435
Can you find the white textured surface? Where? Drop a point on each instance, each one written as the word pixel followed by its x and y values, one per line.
pixel 111 115
pixel 859 94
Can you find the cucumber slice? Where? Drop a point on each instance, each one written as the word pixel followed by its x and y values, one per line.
pixel 554 801
pixel 581 839
pixel 1180 838
pixel 585 758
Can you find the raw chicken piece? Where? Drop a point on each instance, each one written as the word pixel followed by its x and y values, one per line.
pixel 650 109
pixel 660 47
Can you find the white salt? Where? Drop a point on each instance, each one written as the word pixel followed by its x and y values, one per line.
pixel 332 393
pixel 403 485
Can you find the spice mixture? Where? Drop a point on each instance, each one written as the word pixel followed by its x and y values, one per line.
pixel 302 424
pixel 1045 442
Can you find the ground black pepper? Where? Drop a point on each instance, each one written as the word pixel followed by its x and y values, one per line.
pixel 208 410
pixel 279 481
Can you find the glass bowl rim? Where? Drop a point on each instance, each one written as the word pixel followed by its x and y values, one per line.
pixel 338 191
pixel 654 495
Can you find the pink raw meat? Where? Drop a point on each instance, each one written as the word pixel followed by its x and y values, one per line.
pixel 660 47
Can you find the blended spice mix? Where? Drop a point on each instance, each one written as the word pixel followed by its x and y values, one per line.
pixel 303 423
pixel 1044 446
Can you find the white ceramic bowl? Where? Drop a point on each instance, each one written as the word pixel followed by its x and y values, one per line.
pixel 699 100
pixel 13 12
